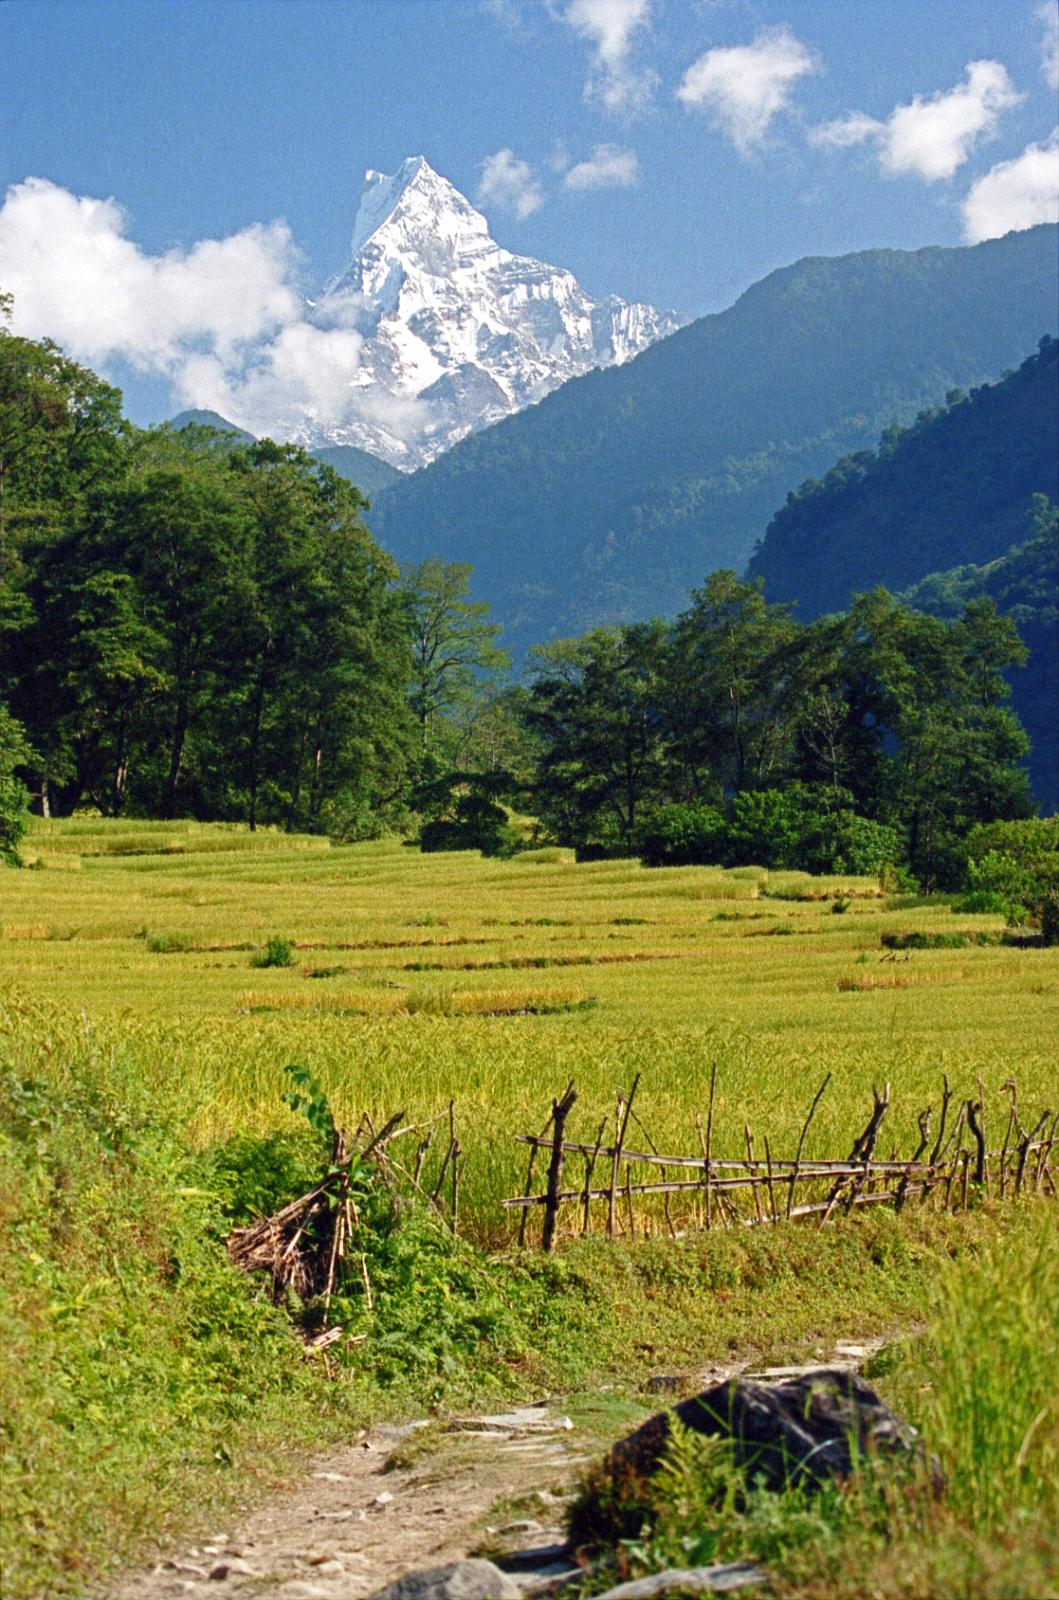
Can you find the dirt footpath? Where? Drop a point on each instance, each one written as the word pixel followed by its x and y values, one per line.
pixel 397 1499
pixel 414 1496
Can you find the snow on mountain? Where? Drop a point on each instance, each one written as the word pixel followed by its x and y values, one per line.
pixel 456 332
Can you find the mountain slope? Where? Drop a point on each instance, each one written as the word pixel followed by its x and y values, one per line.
pixel 370 473
pixel 615 495
pixel 954 488
pixel 456 332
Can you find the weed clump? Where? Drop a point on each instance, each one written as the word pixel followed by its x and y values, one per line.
pixel 167 944
pixel 925 939
pixel 277 953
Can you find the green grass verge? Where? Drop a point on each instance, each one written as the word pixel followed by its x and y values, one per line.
pixel 141 1374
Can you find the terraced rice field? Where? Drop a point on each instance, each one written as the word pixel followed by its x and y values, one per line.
pixel 419 979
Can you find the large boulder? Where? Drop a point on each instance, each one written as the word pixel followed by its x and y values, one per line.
pixel 809 1428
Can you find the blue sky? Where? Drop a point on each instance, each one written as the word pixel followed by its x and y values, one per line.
pixel 666 150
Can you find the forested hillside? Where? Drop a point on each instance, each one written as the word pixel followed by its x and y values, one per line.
pixel 369 473
pixel 1024 585
pixel 616 494
pixel 955 488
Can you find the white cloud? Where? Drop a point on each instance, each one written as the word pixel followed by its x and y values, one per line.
pixel 77 279
pixel 223 321
pixel 610 28
pixel 510 182
pixel 1015 194
pixel 744 86
pixel 609 167
pixel 932 137
pixel 1048 17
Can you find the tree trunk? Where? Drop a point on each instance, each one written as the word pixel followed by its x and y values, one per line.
pixel 176 755
pixel 255 746
pixel 316 787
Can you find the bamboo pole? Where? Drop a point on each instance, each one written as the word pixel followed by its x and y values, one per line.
pixel 750 1166
pixel 590 1163
pixel 560 1111
pixel 801 1141
pixel 536 1145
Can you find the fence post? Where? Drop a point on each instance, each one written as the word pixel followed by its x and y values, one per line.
pixel 560 1111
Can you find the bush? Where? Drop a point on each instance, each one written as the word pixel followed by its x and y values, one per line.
pixel 1013 869
pixel 802 828
pixel 14 818
pixel 690 835
pixel 14 797
pixel 277 953
pixel 477 823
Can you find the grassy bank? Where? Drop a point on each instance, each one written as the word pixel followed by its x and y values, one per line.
pixel 980 1383
pixel 142 1376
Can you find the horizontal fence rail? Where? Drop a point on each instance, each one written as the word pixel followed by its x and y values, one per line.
pixel 950 1172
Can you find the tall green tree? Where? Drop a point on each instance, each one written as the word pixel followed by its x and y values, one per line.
pixel 596 705
pixel 733 687
pixel 934 747
pixel 454 647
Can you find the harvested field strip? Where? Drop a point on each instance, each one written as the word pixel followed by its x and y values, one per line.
pixel 221 947
pixel 608 958
pixel 459 1003
pixel 898 981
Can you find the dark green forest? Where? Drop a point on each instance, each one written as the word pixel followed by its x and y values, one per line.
pixel 1023 585
pixel 876 737
pixel 611 498
pixel 194 625
pixel 954 488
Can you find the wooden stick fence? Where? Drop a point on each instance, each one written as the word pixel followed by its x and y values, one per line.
pixel 775 1190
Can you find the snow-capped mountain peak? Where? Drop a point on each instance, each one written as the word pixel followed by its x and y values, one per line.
pixel 455 331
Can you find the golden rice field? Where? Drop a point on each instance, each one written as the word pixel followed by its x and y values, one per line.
pixel 419 979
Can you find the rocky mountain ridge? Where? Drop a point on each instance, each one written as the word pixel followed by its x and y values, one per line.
pixel 457 332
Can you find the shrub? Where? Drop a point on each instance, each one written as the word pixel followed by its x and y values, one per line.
pixel 802 828
pixel 165 944
pixel 688 835
pixel 477 823
pixel 277 953
pixel 14 797
pixel 1013 869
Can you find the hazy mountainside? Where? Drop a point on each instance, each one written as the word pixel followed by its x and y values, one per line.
pixel 369 474
pixel 210 419
pixel 615 495
pixel 451 332
pixel 1024 584
pixel 953 488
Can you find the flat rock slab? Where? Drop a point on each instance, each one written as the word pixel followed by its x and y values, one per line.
pixel 689 1580
pixel 525 1419
pixel 536 1557
pixel 459 1580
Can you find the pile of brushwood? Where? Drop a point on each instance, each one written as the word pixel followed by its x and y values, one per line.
pixel 312 1250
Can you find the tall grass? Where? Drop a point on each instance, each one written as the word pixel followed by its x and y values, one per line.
pixel 985 1383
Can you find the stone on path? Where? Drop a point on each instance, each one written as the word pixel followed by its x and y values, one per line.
pixel 472 1579
pixel 693 1580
